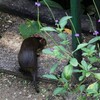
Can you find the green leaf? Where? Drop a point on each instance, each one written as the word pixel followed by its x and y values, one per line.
pixel 47 51
pixel 65 42
pixel 63 21
pixel 63 79
pixel 62 48
pixel 94 69
pixel 85 49
pixel 76 71
pixel 51 4
pixel 92 88
pixel 93 59
pixel 89 66
pixel 53 68
pixel 29 29
pixel 73 62
pixel 81 97
pixel 82 88
pixel 97 76
pixel 94 39
pixel 59 90
pixel 84 64
pixel 62 36
pixel 92 47
pixel 50 76
pixel 88 74
pixel 49 29
pixel 68 70
pixel 81 78
pixel 80 46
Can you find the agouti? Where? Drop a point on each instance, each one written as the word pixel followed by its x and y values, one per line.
pixel 27 57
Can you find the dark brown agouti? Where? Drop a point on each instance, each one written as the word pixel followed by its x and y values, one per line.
pixel 28 54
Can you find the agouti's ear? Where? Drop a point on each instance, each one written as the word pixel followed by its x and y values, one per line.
pixel 36 35
pixel 43 42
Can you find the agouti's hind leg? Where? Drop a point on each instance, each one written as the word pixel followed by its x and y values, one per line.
pixel 26 73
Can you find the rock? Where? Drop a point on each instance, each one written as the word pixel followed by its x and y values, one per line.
pixel 27 9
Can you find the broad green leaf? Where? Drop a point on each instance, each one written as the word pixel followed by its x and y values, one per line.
pixel 56 52
pixel 63 79
pixel 82 88
pixel 47 51
pixel 94 39
pixel 88 74
pixel 62 36
pixel 92 88
pixel 59 90
pixel 53 68
pixel 76 71
pixel 56 48
pixel 93 47
pixel 59 49
pixel 81 78
pixel 97 76
pixel 73 62
pixel 29 29
pixel 94 69
pixel 89 66
pixel 80 46
pixel 85 49
pixel 50 76
pixel 84 64
pixel 65 42
pixel 63 21
pixel 81 97
pixel 62 48
pixel 68 70
pixel 93 59
pixel 49 29
pixel 51 3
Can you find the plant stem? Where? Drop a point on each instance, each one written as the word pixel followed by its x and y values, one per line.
pixel 91 22
pixel 66 53
pixel 38 20
pixel 71 23
pixel 49 9
pixel 96 9
pixel 73 27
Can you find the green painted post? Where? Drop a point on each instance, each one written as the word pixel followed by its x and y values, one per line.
pixel 75 13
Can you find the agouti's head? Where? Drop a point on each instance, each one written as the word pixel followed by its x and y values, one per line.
pixel 42 42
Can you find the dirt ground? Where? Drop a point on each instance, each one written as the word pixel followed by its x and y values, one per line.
pixel 14 88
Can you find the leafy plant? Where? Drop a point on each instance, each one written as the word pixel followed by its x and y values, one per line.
pixel 60 51
pixel 87 65
pixel 51 3
pixel 29 28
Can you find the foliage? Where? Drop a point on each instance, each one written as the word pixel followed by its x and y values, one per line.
pixel 51 3
pixel 89 52
pixel 29 28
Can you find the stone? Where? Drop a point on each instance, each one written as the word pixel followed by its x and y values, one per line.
pixel 27 9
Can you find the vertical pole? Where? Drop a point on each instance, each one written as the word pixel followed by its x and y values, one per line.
pixel 75 13
pixel 98 17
